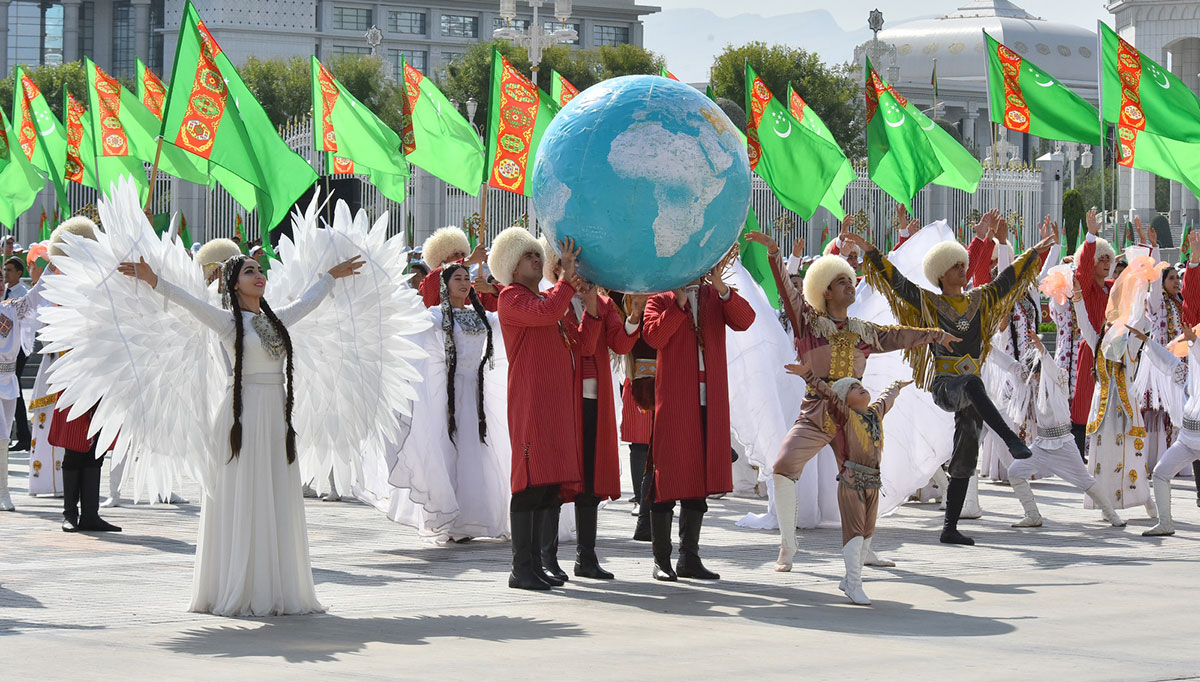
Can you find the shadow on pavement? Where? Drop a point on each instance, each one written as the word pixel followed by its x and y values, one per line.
pixel 310 639
pixel 11 599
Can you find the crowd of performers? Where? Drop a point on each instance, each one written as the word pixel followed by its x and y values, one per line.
pixel 532 377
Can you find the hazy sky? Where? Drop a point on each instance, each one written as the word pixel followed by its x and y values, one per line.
pixel 852 14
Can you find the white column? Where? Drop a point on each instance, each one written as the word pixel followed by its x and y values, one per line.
pixel 71 30
pixel 1176 203
pixel 1142 195
pixel 141 28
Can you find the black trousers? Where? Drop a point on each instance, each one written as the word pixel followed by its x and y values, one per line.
pixel 966 396
pixel 74 460
pixel 20 426
pixel 534 498
pixel 588 498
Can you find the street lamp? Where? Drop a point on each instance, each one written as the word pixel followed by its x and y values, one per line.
pixel 472 107
pixel 535 38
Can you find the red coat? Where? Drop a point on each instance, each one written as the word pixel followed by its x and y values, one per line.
pixel 635 422
pixel 691 459
pixel 431 292
pixel 71 434
pixel 1191 295
pixel 1095 300
pixel 607 480
pixel 545 408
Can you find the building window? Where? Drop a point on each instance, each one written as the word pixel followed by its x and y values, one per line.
pixel 522 24
pixel 610 35
pixel 554 26
pixel 460 26
pixel 123 41
pixel 341 50
pixel 448 57
pixel 156 37
pixel 351 19
pixel 87 28
pixel 416 59
pixel 52 42
pixel 410 23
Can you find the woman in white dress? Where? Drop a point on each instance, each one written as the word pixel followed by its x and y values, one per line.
pixel 452 472
pixel 252 552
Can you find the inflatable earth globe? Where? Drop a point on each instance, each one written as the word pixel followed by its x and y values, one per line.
pixel 650 179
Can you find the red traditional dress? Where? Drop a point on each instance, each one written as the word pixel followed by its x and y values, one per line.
pixel 544 386
pixel 691 452
pixel 1095 299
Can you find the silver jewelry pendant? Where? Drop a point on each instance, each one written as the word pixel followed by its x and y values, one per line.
pixel 271 340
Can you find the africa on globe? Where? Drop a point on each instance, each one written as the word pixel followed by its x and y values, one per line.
pixel 650 179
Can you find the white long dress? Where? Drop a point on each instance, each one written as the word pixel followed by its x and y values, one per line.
pixel 455 490
pixel 252 551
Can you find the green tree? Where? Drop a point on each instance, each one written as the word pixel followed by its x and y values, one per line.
pixel 735 112
pixel 471 74
pixel 1162 194
pixel 1088 182
pixel 1162 227
pixel 284 88
pixel 1073 213
pixel 365 78
pixel 833 91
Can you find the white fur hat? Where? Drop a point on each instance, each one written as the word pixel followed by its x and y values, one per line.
pixel 843 386
pixel 1103 248
pixel 942 257
pixel 820 275
pixel 550 258
pixel 217 251
pixel 844 249
pixel 76 225
pixel 443 242
pixel 507 249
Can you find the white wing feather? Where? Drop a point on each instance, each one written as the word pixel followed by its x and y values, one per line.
pixel 154 368
pixel 354 354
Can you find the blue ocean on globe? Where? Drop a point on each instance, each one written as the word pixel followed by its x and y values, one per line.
pixel 649 177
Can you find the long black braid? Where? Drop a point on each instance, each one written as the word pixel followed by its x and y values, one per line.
pixel 233 271
pixel 452 353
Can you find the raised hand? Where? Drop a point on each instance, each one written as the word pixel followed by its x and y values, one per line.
pixel 570 253
pixel 483 286
pixel 798 368
pixel 798 247
pixel 765 239
pixel 987 224
pixel 1141 232
pixel 1138 333
pixel 1001 231
pixel 1044 245
pixel 347 267
pixel 680 297
pixel 857 240
pixel 139 270
pixel 1093 225
pixel 1046 232
pixel 1194 247
pixel 1189 334
pixel 636 304
pixel 477 256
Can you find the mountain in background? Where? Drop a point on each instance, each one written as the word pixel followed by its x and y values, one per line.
pixel 691 38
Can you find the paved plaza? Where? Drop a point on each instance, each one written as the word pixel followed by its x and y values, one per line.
pixel 1075 600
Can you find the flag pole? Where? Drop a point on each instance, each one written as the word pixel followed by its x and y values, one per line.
pixel 1100 108
pixel 987 74
pixel 483 217
pixel 153 174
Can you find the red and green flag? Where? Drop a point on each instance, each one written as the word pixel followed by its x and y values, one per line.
pixel 354 139
pixel 80 165
pixel 150 89
pixel 667 74
pixel 1024 98
pixel 561 90
pixel 20 182
pixel 832 201
pixel 519 115
pixel 1184 248
pixel 211 114
pixel 798 164
pixel 39 133
pixel 46 229
pixel 1157 117
pixel 436 137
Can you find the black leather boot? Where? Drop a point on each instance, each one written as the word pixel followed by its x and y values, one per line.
pixel 660 531
pixel 587 565
pixel 523 575
pixel 546 546
pixel 637 472
pixel 641 532
pixel 70 522
pixel 689 564
pixel 956 494
pixel 89 502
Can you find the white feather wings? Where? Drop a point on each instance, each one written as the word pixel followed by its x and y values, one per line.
pixel 160 371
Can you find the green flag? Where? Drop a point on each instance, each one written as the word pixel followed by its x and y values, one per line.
pixel 960 168
pixel 526 114
pixel 354 139
pixel 40 134
pixel 210 113
pixel 80 165
pixel 561 90
pixel 832 201
pixel 1139 96
pixel 798 164
pixel 150 89
pixel 19 180
pixel 900 158
pixel 1024 98
pixel 756 261
pixel 437 138
pixel 114 131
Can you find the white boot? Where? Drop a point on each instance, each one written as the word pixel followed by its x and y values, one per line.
pixel 1162 492
pixel 1105 506
pixel 940 481
pixel 5 501
pixel 1033 518
pixel 852 583
pixel 116 476
pixel 1151 508
pixel 971 508
pixel 785 512
pixel 870 558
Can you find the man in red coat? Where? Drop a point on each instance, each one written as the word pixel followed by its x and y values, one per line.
pixel 691 406
pixel 544 410
pixel 1092 266
pixel 449 245
pixel 600 461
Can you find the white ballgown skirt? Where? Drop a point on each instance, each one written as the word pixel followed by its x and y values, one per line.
pixel 252 553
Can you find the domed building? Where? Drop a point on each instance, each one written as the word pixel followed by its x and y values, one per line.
pixel 956 42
